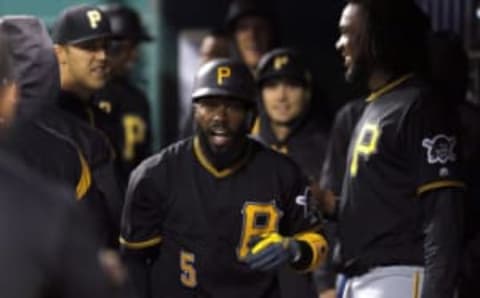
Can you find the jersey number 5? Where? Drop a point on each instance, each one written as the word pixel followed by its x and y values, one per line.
pixel 365 145
pixel 188 275
pixel 258 219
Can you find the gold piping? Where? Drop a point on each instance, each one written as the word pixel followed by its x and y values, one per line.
pixel 211 168
pixel 141 244
pixel 374 95
pixel 439 184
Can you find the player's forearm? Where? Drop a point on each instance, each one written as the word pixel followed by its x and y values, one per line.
pixel 443 232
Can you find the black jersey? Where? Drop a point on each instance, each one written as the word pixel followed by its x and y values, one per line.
pixel 47 248
pixel 122 112
pixel 203 219
pixel 335 161
pixel 306 144
pixel 37 74
pixel 404 146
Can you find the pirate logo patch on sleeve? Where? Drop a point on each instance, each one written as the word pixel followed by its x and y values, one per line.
pixel 440 149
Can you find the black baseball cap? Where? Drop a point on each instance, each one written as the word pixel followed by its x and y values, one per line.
pixel 125 22
pixel 81 23
pixel 283 63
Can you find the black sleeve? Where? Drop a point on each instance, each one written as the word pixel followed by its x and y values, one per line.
pixel 302 221
pixel 140 235
pixel 443 233
pixel 109 192
pixel 433 148
pixel 79 272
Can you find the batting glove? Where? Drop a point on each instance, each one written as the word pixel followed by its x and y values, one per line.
pixel 272 251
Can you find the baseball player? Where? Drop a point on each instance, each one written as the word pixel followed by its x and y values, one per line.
pixel 286 124
pixel 253 29
pixel 218 214
pixel 48 249
pixel 400 208
pixel 86 151
pixel 121 108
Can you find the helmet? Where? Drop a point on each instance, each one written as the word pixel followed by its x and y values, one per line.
pixel 125 22
pixel 283 63
pixel 241 8
pixel 224 77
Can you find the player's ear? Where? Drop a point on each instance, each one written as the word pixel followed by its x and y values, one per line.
pixel 60 53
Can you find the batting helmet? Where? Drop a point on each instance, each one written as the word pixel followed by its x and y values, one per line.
pixel 125 22
pixel 224 77
pixel 283 63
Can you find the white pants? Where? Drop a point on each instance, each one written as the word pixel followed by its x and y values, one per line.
pixel 386 282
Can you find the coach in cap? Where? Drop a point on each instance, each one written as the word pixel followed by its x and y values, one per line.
pixel 81 36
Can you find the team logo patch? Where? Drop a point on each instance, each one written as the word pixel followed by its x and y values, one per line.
pixel 440 149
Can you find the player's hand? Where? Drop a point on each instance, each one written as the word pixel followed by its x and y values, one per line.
pixel 272 251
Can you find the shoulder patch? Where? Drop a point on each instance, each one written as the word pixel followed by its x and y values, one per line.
pixel 440 149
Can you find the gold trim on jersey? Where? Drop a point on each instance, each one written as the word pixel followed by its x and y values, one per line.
pixel 439 184
pixel 283 149
pixel 140 244
pixel 255 131
pixel 85 181
pixel 318 245
pixel 197 150
pixel 376 94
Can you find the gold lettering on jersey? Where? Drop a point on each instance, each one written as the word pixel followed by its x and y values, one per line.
pixel 134 133
pixel 279 62
pixel 258 218
pixel 365 145
pixel 188 275
pixel 105 106
pixel 223 72
pixel 94 17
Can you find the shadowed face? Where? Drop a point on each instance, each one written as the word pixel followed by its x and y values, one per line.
pixel 214 47
pixel 351 43
pixel 253 37
pixel 222 120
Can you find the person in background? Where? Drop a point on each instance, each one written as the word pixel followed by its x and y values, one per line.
pixel 287 125
pixel 215 44
pixel 49 141
pixel 48 245
pixel 122 108
pixel 252 28
pixel 449 74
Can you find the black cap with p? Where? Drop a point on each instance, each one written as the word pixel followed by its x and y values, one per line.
pixel 81 23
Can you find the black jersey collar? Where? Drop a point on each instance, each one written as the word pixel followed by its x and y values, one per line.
pixel 387 88
pixel 203 160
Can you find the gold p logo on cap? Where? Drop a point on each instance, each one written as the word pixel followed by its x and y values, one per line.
pixel 223 72
pixel 94 17
pixel 279 62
